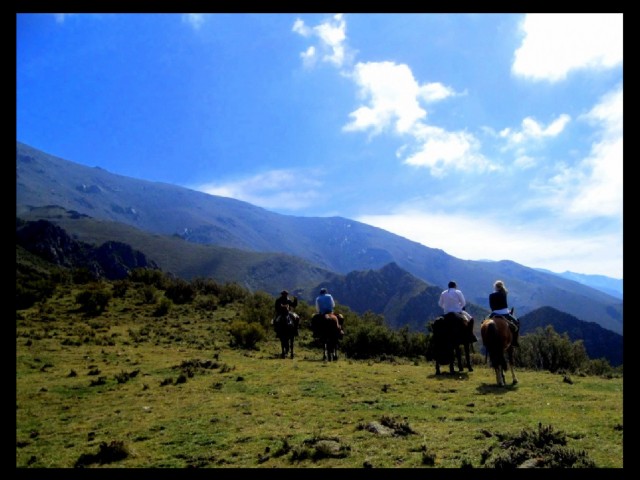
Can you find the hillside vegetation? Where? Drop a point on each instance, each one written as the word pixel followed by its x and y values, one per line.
pixel 153 371
pixel 404 301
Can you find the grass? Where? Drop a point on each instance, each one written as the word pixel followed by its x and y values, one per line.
pixel 129 390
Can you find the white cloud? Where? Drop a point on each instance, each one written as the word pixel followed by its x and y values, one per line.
pixel 525 162
pixel 391 93
pixel 442 151
pixel 301 28
pixel 555 44
pixel 276 189
pixel 533 130
pixel 309 57
pixel 391 97
pixel 432 92
pixel 474 237
pixel 594 186
pixel 195 20
pixel 332 37
pixel 601 192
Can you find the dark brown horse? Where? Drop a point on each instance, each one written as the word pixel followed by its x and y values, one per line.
pixel 449 333
pixel 286 327
pixel 497 338
pixel 327 329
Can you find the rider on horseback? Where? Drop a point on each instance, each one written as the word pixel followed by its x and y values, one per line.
pixel 452 301
pixel 499 306
pixel 283 306
pixel 325 305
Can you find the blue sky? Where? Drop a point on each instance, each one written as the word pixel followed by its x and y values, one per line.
pixel 489 136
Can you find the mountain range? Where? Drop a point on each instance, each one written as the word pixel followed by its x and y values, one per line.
pixel 404 301
pixel 190 234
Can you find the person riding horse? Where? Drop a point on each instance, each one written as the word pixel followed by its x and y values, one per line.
pixel 453 303
pixel 286 322
pixel 283 308
pixel 325 305
pixel 499 306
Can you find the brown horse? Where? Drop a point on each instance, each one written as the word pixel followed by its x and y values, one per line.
pixel 327 328
pixel 496 338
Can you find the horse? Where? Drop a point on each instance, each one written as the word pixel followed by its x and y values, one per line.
pixel 327 328
pixel 497 338
pixel 449 332
pixel 286 327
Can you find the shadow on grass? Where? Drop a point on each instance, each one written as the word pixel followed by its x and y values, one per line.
pixel 492 388
pixel 450 376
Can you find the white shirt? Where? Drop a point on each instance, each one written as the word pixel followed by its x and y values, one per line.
pixel 452 300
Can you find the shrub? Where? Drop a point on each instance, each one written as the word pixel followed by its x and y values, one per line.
pixel 180 291
pixel 258 308
pixel 149 295
pixel 206 302
pixel 206 286
pixel 232 292
pixel 120 288
pixel 163 307
pixel 83 275
pixel 548 350
pixel 148 277
pixel 94 300
pixel 246 335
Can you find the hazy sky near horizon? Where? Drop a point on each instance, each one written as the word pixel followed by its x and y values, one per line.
pixel 489 136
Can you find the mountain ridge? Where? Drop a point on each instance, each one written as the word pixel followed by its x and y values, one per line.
pixel 335 244
pixel 404 301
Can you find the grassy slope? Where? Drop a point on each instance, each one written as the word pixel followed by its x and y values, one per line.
pixel 252 409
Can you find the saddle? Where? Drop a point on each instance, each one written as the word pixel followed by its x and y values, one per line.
pixel 514 323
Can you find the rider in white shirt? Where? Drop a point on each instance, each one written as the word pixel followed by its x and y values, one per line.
pixel 452 300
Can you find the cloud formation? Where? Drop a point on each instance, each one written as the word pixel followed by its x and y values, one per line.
pixel 556 44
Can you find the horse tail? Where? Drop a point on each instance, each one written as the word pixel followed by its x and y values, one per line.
pixel 494 346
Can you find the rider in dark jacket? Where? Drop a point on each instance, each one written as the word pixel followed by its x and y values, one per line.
pixel 284 305
pixel 499 306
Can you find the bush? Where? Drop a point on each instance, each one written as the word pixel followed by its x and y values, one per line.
pixel 206 302
pixel 163 307
pixel 206 286
pixel 232 292
pixel 94 300
pixel 180 291
pixel 548 350
pixel 258 308
pixel 246 335
pixel 83 275
pixel 120 288
pixel 30 292
pixel 368 341
pixel 149 295
pixel 156 278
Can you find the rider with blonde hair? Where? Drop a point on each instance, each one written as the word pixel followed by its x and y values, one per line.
pixel 499 306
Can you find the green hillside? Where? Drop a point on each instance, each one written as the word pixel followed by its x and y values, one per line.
pixel 118 375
